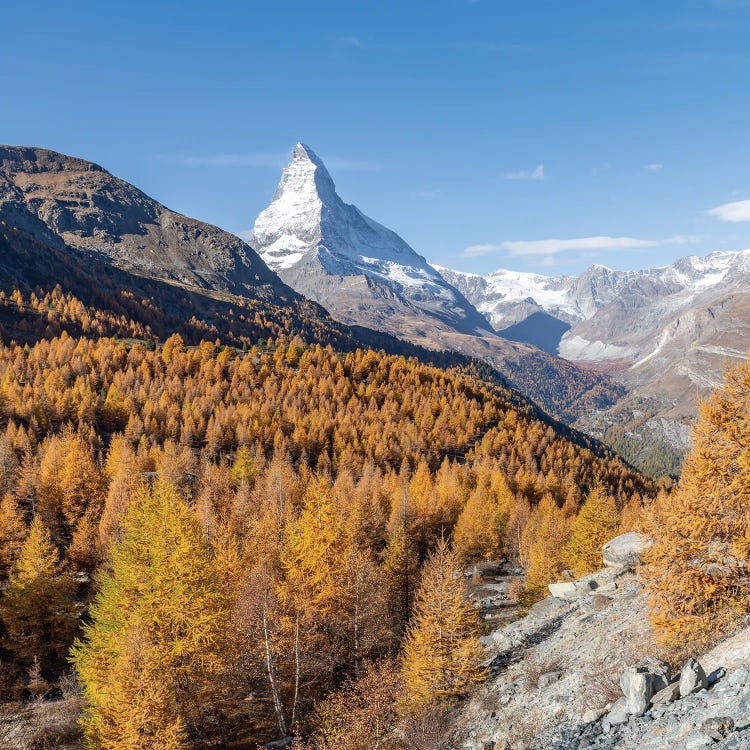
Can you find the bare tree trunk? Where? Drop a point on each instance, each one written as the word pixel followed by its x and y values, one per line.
pixel 357 592
pixel 270 670
pixel 297 669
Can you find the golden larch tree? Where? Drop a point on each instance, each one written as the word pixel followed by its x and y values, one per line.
pixel 37 606
pixel 442 655
pixel 596 523
pixel 479 529
pixel 543 540
pixel 12 534
pixel 697 568
pixel 160 616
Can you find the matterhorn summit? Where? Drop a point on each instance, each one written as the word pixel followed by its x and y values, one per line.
pixel 330 251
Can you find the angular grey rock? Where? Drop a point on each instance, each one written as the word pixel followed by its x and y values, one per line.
pixel 668 694
pixel 718 727
pixel 692 678
pixel 593 715
pixel 615 718
pixel 626 550
pixel 548 678
pixel 561 590
pixel 640 683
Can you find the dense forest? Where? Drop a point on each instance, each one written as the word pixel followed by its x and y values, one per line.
pixel 224 546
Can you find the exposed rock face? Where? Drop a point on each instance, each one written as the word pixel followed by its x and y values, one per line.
pixel 576 703
pixel 85 207
pixel 365 274
pixel 626 550
pixel 571 636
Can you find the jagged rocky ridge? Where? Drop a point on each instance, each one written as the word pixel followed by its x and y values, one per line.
pixel 365 274
pixel 666 334
pixel 85 207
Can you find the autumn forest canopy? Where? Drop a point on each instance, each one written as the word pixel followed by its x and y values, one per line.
pixel 188 526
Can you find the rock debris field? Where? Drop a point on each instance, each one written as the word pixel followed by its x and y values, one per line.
pixel 580 671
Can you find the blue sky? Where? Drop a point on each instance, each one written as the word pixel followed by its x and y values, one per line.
pixel 539 136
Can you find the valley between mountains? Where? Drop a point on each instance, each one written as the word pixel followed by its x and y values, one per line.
pixel 623 356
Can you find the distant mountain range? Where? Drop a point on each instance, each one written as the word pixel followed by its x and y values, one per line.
pixel 665 333
pixel 141 269
pixel 365 274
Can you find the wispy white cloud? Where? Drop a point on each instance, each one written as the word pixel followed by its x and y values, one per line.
pixel 535 175
pixel 474 251
pixel 552 247
pixel 654 167
pixel 736 211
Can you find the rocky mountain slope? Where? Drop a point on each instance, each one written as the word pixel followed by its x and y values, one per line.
pixel 365 274
pixel 666 334
pixel 549 692
pixel 89 209
pixel 309 236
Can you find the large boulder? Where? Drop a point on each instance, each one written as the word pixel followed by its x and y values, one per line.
pixel 640 683
pixel 562 590
pixel 692 678
pixel 668 695
pixel 626 550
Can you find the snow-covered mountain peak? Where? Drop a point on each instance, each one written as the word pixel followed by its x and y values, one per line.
pixel 307 224
pixel 302 152
pixel 306 173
